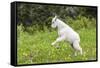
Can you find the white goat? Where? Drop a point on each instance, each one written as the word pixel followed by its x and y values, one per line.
pixel 66 33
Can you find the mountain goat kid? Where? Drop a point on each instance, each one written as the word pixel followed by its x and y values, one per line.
pixel 66 33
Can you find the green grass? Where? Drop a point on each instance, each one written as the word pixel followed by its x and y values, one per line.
pixel 36 47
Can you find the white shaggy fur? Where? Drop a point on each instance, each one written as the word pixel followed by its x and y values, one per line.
pixel 66 33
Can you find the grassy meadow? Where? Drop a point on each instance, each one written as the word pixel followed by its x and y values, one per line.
pixel 35 47
pixel 35 35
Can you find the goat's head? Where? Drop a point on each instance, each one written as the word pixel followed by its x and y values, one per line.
pixel 54 22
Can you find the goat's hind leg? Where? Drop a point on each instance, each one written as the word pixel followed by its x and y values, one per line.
pixel 77 47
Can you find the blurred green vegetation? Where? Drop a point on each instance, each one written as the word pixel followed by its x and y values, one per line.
pixel 40 15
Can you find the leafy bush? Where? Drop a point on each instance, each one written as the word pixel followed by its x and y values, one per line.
pixel 37 14
pixel 81 22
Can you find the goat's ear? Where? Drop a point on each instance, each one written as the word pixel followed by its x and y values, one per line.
pixel 55 17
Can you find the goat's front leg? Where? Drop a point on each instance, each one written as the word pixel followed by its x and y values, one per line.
pixel 58 40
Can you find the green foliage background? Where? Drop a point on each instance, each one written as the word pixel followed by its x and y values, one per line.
pixel 42 14
pixel 35 34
